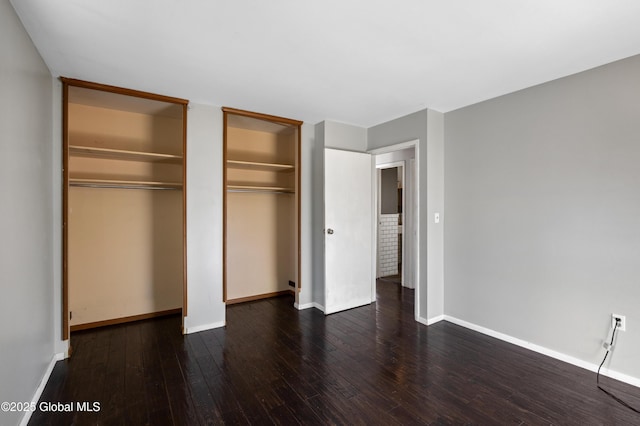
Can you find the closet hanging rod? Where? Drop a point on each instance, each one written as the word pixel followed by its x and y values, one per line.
pixel 115 186
pixel 260 191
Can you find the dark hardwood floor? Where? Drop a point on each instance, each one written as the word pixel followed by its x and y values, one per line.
pixel 273 364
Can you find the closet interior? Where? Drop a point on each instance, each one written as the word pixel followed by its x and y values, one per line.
pixel 261 206
pixel 123 205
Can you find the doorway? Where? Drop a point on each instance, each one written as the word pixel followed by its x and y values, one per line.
pixel 339 177
pixel 397 227
pixel 390 206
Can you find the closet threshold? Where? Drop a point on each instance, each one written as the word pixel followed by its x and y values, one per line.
pixel 261 189
pixel 123 184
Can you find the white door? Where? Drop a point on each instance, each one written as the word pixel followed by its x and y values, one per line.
pixel 349 217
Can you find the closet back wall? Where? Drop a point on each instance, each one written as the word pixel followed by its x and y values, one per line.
pixel 261 227
pixel 125 246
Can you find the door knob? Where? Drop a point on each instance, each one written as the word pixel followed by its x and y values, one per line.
pixel 329 231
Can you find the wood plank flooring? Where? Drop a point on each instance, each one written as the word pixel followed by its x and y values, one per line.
pixel 273 364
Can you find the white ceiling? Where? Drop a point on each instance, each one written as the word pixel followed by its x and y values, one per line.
pixel 360 61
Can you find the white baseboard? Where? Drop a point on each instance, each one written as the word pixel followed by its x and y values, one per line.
pixel 203 327
pixel 634 381
pixel 435 319
pixel 430 320
pixel 308 306
pixel 41 386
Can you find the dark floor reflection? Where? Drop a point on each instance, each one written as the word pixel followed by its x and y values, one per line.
pixel 272 364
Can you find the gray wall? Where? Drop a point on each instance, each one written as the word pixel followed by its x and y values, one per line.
pixel 26 224
pixel 309 185
pixel 435 204
pixel 204 218
pixel 317 215
pixel 390 157
pixel 61 346
pixel 344 136
pixel 542 237
pixel 427 126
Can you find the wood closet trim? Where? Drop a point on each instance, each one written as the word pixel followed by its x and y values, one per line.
pixel 299 204
pixel 65 210
pixel 122 91
pixel 66 82
pixel 124 320
pixel 260 297
pixel 298 167
pixel 259 116
pixel 185 305
pixel 225 113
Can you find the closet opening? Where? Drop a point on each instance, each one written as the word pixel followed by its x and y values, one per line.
pixel 261 218
pixel 124 221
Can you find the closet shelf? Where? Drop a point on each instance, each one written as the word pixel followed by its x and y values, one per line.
pixel 253 165
pixel 121 154
pixel 251 188
pixel 122 184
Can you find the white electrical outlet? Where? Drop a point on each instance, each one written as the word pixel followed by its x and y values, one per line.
pixel 623 322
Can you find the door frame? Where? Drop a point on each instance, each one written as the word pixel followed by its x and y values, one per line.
pixel 378 202
pixel 415 144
